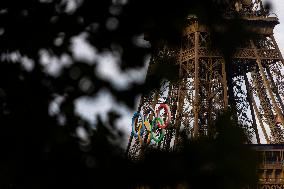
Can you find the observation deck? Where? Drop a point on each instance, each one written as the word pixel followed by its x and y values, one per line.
pixel 271 165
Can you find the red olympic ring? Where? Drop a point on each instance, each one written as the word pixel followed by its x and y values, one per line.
pixel 167 111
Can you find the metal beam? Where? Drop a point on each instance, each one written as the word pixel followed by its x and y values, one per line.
pixel 196 82
pixel 250 99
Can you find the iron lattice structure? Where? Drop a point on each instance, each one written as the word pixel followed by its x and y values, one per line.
pixel 255 84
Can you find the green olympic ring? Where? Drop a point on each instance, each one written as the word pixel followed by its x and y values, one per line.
pixel 151 127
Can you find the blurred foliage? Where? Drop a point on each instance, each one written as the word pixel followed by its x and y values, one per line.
pixel 39 150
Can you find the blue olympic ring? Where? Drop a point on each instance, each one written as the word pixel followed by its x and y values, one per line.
pixel 137 115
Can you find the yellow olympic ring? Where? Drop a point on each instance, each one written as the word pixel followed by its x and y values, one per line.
pixel 148 127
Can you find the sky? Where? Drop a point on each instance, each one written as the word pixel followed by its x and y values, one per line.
pixel 108 68
pixel 278 9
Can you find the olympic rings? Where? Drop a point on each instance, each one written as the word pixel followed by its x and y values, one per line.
pixel 144 123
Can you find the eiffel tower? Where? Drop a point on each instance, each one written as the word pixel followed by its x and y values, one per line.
pixel 252 82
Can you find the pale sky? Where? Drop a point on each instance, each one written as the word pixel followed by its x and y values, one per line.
pixel 278 9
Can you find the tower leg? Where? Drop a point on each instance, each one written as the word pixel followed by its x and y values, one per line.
pixel 225 87
pixel 196 84
pixel 273 85
pixel 267 85
pixel 179 114
pixel 264 104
